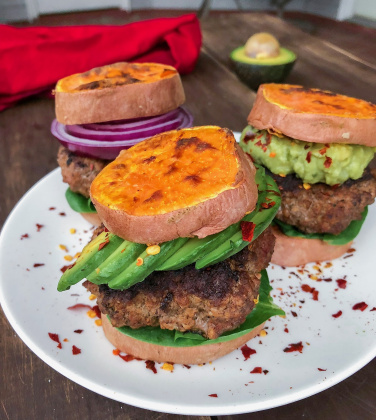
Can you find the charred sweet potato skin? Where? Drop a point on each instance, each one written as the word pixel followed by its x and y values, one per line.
pixel 190 182
pixel 308 100
pixel 118 91
pixel 117 74
pixel 314 115
pixel 170 171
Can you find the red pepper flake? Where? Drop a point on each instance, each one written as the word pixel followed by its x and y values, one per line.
pixel 249 137
pixel 55 337
pixel 248 229
pixel 265 372
pixel 306 147
pixel 62 214
pixel 103 244
pixel 308 157
pixel 286 330
pixel 79 306
pixel 75 350
pixel 26 235
pixel 213 395
pixel 322 370
pixel 308 289
pixel 328 162
pixel 39 227
pixel 127 357
pixel 361 306
pixel 337 315
pixel 256 370
pixel 187 366
pixel 247 351
pixel 52 208
pixel 38 265
pixel 323 150
pixel 268 205
pixel 341 283
pixel 294 314
pixel 97 311
pixel 66 267
pixel 294 347
pixel 373 309
pixel 151 365
pixel 78 331
pixel 327 280
pixel 268 138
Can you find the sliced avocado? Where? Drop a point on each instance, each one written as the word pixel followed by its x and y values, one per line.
pixel 255 71
pixel 137 272
pixel 94 253
pixel 270 201
pixel 195 248
pixel 118 261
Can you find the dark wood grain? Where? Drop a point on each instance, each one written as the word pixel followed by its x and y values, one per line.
pixel 320 64
pixel 29 389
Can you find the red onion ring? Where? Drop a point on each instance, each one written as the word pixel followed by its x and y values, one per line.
pixel 106 140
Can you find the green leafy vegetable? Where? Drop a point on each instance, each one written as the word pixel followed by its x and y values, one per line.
pixel 264 309
pixel 343 238
pixel 79 203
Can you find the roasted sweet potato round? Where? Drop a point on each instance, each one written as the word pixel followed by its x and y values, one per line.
pixel 118 91
pixel 314 115
pixel 183 183
pixel 183 355
pixel 291 252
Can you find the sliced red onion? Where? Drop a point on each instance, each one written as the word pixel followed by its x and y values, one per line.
pixel 106 140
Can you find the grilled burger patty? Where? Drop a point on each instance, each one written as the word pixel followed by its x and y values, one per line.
pixel 210 301
pixel 323 208
pixel 79 171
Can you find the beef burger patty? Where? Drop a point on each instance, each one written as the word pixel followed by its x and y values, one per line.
pixel 322 208
pixel 210 301
pixel 78 171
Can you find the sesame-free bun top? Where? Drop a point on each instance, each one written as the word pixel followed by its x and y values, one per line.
pixel 313 115
pixel 118 91
pixel 182 183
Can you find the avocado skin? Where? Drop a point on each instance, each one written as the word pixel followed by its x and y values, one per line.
pixel 253 75
pixel 272 70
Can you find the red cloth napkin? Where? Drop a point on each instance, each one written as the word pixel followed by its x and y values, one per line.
pixel 34 58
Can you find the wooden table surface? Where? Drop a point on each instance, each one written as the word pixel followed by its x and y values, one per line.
pixel 29 389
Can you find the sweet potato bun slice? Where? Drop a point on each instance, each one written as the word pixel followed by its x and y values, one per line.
pixel 314 115
pixel 182 355
pixel 182 183
pixel 292 252
pixel 118 91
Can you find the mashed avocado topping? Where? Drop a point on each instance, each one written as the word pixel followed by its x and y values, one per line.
pixel 312 162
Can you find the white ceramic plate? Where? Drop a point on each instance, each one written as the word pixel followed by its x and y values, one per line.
pixel 338 346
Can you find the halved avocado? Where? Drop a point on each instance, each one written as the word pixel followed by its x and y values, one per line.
pixel 255 71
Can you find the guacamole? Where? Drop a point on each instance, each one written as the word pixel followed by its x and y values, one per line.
pixel 331 163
